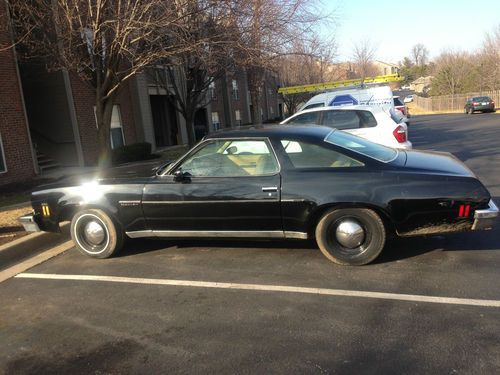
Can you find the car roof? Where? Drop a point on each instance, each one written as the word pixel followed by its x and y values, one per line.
pixel 342 107
pixel 273 131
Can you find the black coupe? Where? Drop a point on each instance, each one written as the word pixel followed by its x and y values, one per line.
pixel 272 182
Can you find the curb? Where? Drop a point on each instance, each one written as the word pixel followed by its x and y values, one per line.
pixel 31 245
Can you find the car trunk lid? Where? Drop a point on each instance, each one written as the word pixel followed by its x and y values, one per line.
pixel 436 162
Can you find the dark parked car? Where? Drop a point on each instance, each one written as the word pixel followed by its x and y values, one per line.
pixel 479 103
pixel 273 182
pixel 400 106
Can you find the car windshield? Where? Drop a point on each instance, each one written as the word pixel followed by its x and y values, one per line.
pixel 361 146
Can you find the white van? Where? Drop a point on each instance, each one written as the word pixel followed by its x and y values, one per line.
pixel 370 96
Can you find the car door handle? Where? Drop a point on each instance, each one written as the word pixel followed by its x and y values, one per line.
pixel 269 189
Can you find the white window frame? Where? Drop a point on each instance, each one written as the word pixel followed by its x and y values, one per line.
pixel 215 124
pixel 237 116
pixel 117 107
pixel 212 88
pixel 236 91
pixel 5 170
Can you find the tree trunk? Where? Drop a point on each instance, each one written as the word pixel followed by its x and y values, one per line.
pixel 103 112
pixel 255 99
pixel 189 118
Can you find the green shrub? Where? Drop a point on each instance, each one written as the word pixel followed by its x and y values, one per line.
pixel 133 152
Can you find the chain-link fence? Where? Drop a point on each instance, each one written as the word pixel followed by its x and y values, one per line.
pixel 453 103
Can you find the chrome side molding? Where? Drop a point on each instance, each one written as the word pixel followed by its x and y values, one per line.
pixel 216 234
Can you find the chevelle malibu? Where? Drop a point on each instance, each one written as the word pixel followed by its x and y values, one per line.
pixel 272 182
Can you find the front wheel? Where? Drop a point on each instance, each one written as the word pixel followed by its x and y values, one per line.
pixel 95 234
pixel 351 236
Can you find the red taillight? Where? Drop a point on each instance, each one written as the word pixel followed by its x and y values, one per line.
pixel 463 210
pixel 400 134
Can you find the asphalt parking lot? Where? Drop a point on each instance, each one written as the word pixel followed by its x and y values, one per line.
pixel 427 305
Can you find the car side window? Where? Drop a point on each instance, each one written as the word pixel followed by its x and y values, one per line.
pixel 231 158
pixel 305 118
pixel 341 119
pixel 309 155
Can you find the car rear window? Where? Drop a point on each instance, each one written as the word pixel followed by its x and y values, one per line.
pixel 361 146
pixel 397 102
pixel 482 99
pixel 308 118
pixel 341 119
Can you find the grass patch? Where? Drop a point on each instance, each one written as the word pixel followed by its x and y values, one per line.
pixel 13 199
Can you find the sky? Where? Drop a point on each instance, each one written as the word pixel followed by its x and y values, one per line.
pixel 393 27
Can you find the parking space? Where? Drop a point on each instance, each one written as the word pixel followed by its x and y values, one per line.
pixel 427 305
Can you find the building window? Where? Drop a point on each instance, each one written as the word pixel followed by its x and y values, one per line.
pixel 237 116
pixel 3 164
pixel 211 89
pixel 236 94
pixel 271 110
pixel 215 120
pixel 116 128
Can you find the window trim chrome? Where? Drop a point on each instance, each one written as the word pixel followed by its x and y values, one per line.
pixel 217 234
pixel 362 153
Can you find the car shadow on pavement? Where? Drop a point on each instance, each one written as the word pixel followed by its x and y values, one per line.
pixel 133 247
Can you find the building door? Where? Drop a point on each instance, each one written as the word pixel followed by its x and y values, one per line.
pixel 200 123
pixel 164 121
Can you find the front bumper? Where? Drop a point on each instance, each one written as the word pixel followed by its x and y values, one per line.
pixel 484 219
pixel 29 223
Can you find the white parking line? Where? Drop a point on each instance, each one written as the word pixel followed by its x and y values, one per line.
pixel 268 288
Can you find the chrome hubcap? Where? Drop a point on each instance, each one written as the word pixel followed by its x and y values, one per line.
pixel 350 234
pixel 94 233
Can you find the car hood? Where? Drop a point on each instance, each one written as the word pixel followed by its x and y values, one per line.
pixel 127 172
pixel 436 162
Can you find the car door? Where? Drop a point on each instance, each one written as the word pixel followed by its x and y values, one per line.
pixel 225 187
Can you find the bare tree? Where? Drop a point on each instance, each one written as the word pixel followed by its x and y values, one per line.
pixel 489 61
pixel 105 42
pixel 187 75
pixel 268 30
pixel 363 53
pixel 419 54
pixel 454 73
pixel 312 63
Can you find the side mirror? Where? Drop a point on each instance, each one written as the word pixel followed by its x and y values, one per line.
pixel 180 176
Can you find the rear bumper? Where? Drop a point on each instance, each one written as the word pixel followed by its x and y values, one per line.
pixel 29 223
pixel 483 108
pixel 485 219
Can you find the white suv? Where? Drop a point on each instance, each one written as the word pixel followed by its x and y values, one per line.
pixel 372 123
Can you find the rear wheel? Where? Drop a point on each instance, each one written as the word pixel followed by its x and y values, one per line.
pixel 351 236
pixel 95 234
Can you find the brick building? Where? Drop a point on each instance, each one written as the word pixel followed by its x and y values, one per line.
pixel 230 101
pixel 47 119
pixel 16 154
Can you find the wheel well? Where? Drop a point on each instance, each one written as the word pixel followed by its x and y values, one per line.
pixel 318 214
pixel 67 212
